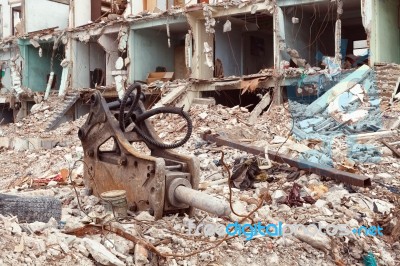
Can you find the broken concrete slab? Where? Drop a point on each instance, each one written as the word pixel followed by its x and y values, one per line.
pixel 344 85
pixel 172 95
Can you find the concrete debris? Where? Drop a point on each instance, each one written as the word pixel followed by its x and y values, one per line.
pixel 141 255
pixel 295 56
pixel 270 129
pixel 101 254
pixel 346 84
pixel 319 242
pixel 227 26
pixel 279 196
pixel 144 216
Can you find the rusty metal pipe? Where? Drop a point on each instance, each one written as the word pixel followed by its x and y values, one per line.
pixel 202 201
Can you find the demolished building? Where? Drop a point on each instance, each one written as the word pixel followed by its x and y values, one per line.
pixel 226 47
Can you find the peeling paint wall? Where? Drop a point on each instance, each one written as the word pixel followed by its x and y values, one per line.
pixel 5 57
pixel 199 67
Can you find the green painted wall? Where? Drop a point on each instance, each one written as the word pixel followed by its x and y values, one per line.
pixel 387 31
pixel 36 68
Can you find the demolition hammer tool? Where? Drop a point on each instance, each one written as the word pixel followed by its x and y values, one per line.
pixel 161 180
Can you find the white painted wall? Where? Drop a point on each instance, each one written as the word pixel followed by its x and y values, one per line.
pixel 162 4
pixel 6 18
pixel 43 14
pixel 82 12
pixel 137 6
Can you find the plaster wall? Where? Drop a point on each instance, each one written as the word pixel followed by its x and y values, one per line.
pixel 80 67
pixel 43 14
pixel 82 12
pixel 110 46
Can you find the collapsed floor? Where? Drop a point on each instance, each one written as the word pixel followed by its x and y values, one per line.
pixel 40 171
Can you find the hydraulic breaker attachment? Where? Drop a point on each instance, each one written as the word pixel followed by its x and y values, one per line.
pixel 163 182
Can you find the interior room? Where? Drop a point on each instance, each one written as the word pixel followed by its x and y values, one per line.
pixel 154 51
pixel 244 44
pixel 310 29
pixel 93 63
pixel 39 62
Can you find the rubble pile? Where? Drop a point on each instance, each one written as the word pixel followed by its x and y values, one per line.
pixel 36 123
pixel 290 199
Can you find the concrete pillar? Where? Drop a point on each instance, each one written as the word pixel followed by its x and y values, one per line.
pixel 109 45
pixel 200 69
pixel 279 36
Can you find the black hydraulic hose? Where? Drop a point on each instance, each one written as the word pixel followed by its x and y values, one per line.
pixel 164 110
pixel 122 117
